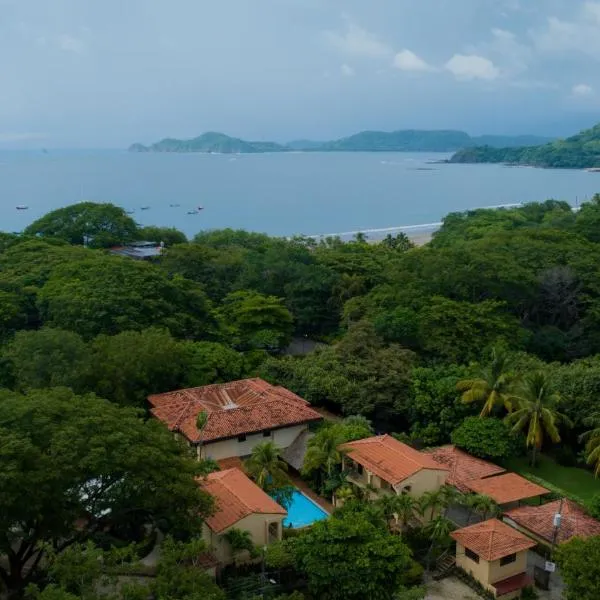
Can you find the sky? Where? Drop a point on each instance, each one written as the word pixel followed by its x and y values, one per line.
pixel 104 74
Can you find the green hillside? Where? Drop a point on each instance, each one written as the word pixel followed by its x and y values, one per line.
pixel 581 151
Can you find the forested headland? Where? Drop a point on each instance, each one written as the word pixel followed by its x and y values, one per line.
pixel 86 336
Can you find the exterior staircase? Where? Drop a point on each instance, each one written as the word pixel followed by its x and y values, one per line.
pixel 444 566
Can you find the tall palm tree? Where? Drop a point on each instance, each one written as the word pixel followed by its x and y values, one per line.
pixel 438 530
pixel 432 501
pixel 592 442
pixel 266 467
pixel 322 452
pixel 492 387
pixel 404 509
pixel 536 413
pixel 483 505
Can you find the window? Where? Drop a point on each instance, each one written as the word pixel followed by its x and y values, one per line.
pixel 266 433
pixel 406 489
pixel 242 438
pixel 469 554
pixel 511 558
pixel 359 469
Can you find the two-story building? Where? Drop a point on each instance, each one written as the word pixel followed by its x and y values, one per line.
pixel 238 416
pixel 496 556
pixel 240 504
pixel 382 464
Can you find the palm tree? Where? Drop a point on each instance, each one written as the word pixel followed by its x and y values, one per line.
pixel 201 421
pixel 432 501
pixel 266 467
pixel 322 452
pixel 592 442
pixel 537 412
pixel 438 530
pixel 344 494
pixel 482 504
pixel 492 388
pixel 240 540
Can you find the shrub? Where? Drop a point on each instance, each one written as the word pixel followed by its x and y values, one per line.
pixel 488 438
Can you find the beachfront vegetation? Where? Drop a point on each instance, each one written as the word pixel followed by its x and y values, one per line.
pixel 418 342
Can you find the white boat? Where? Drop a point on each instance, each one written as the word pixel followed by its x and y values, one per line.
pixel 192 212
pixel 22 207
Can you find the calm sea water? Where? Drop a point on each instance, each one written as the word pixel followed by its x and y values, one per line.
pixel 280 194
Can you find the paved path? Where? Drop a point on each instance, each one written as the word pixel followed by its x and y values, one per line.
pixel 449 588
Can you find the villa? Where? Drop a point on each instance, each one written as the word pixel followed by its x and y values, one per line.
pixel 495 555
pixel 382 464
pixel 240 504
pixel 239 415
pixel 538 522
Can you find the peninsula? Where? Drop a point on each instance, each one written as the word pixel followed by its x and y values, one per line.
pixel 409 140
pixel 581 151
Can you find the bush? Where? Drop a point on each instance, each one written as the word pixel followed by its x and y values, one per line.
pixel 593 506
pixel 487 438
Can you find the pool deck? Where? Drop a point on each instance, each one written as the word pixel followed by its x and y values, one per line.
pixel 303 487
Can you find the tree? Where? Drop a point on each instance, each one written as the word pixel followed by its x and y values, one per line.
pixel 266 466
pixel 492 388
pixel 438 530
pixel 579 563
pixel 212 362
pixel 483 505
pixel 591 439
pixel 48 358
pixel 240 541
pixel 432 501
pixel 73 466
pixel 131 365
pixel 537 413
pixel 487 438
pixel 167 235
pixel 109 294
pixel 401 508
pixel 103 225
pixel 350 558
pixel 257 321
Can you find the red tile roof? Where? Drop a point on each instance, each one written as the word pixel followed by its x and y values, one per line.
pixel 539 520
pixel 492 539
pixel 463 466
pixel 236 497
pixel 389 459
pixel 512 584
pixel 506 488
pixel 234 408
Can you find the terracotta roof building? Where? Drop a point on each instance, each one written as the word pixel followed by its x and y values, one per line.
pixel 496 555
pixel 464 468
pixel 236 497
pixel 389 459
pixel 249 407
pixel 507 488
pixel 241 504
pixel 539 521
pixel 382 463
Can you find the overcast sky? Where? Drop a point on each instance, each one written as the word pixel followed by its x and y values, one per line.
pixel 105 73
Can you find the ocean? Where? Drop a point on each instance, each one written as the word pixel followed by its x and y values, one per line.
pixel 279 194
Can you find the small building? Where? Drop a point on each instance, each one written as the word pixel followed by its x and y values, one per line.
pixel 538 522
pixel 240 504
pixel 139 250
pixel 240 415
pixel 464 468
pixel 382 464
pixel 507 490
pixel 496 556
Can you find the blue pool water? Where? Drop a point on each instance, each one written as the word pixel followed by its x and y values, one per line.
pixel 303 512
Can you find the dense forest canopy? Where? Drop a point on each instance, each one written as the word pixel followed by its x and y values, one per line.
pixel 580 151
pixel 399 334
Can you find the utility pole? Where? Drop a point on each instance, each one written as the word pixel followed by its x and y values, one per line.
pixel 557 523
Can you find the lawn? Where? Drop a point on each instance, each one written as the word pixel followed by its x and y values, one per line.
pixel 574 481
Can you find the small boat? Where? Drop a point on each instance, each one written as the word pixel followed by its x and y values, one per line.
pixel 174 205
pixel 130 212
pixel 144 207
pixel 22 207
pixel 192 212
pixel 201 208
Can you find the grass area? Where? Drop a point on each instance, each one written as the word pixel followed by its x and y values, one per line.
pixel 572 480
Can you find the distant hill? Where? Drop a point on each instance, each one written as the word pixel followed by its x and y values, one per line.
pixel 210 142
pixel 409 140
pixel 581 151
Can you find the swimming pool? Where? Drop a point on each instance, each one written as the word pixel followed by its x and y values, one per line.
pixel 303 511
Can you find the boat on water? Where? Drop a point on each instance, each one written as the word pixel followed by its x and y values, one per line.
pixel 144 208
pixel 22 207
pixel 192 212
pixel 130 212
pixel 201 208
pixel 174 205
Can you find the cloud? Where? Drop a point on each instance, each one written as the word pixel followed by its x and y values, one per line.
pixel 356 41
pixel 347 70
pixel 581 90
pixel 471 67
pixel 409 61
